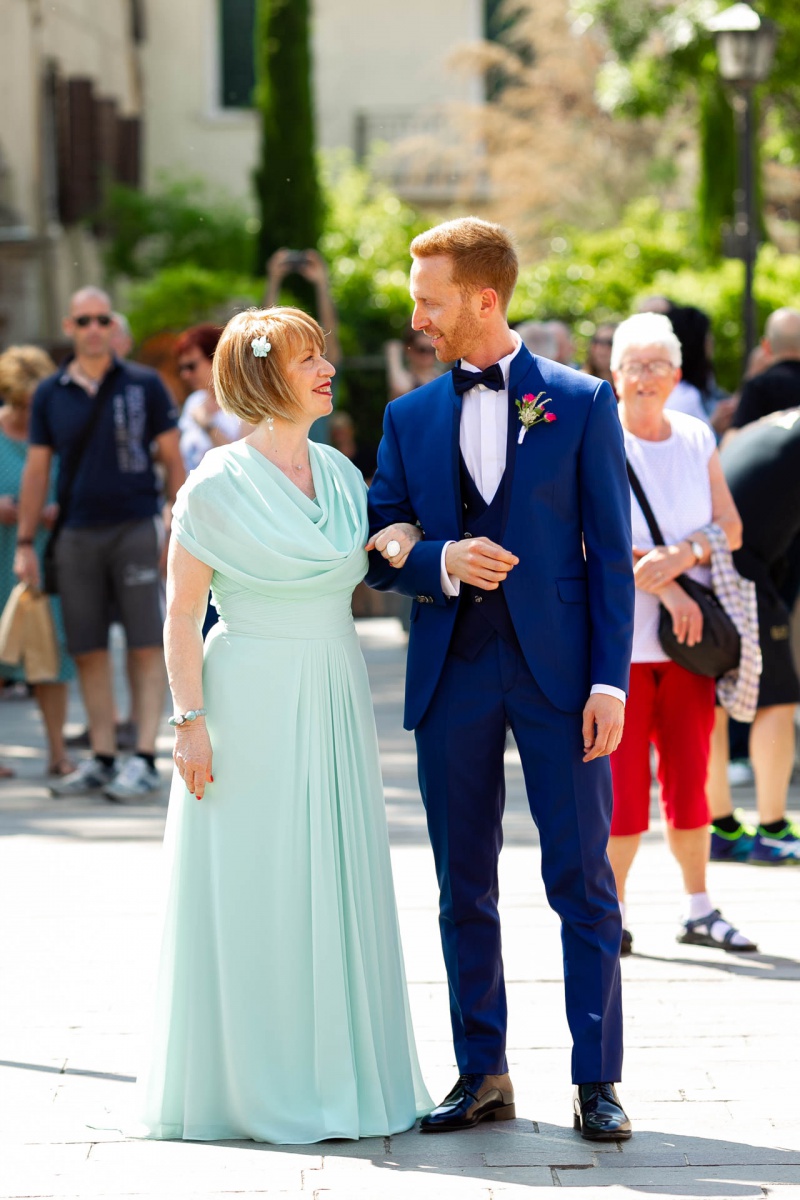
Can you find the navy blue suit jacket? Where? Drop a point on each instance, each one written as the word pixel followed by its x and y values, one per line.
pixel 567 517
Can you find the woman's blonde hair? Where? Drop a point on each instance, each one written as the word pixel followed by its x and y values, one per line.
pixel 253 388
pixel 21 368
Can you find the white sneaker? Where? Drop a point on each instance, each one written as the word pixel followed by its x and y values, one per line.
pixel 136 778
pixel 740 773
pixel 89 776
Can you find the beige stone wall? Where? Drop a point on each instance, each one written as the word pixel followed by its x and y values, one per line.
pixel 87 38
pixel 186 131
pixel 369 56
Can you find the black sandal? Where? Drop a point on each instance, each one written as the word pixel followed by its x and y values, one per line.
pixel 698 933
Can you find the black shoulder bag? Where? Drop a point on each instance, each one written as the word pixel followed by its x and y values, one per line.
pixel 719 649
pixel 49 570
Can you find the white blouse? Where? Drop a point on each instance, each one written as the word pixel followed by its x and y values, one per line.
pixel 674 476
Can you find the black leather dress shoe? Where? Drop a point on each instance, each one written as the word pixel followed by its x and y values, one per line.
pixel 598 1113
pixel 470 1102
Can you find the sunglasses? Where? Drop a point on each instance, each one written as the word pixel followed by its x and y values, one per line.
pixel 102 319
pixel 424 348
pixel 185 368
pixel 601 341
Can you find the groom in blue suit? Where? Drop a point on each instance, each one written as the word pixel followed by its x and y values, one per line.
pixel 513 468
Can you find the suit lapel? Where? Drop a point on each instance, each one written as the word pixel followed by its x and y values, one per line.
pixel 523 377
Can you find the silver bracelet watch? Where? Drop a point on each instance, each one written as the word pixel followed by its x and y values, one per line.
pixel 191 714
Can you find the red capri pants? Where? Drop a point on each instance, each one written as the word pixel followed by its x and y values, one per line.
pixel 674 709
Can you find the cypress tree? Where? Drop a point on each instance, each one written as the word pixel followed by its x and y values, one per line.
pixel 286 180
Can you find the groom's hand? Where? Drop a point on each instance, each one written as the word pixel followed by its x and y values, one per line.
pixel 603 719
pixel 479 562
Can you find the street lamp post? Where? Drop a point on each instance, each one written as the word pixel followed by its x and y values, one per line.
pixel 745 47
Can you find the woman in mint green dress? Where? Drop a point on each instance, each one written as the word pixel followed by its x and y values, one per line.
pixel 281 1008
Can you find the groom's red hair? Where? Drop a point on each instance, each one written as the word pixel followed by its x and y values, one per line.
pixel 482 254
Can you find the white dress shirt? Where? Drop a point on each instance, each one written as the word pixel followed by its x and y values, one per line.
pixel 483 438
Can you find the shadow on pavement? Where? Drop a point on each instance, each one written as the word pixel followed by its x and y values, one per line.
pixel 752 966
pixel 527 1153
pixel 50 1070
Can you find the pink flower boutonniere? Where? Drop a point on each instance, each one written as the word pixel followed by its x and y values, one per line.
pixel 531 412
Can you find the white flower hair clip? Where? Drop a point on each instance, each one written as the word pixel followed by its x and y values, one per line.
pixel 260 346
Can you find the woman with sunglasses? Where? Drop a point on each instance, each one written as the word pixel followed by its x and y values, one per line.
pixel 419 365
pixel 675 459
pixel 598 354
pixel 202 423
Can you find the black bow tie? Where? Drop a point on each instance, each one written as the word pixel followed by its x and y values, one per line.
pixel 492 378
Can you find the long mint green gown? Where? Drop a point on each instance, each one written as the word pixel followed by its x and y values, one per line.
pixel 281 1008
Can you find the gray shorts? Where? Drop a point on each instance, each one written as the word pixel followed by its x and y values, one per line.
pixel 110 573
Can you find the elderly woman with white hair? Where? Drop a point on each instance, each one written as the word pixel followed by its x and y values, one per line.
pixel 675 459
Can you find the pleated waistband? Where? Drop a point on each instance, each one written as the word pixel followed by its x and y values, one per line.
pixel 280 630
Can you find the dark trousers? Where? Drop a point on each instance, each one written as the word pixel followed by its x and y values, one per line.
pixel 460 745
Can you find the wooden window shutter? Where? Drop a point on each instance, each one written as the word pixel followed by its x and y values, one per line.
pixel 78 190
pixel 129 153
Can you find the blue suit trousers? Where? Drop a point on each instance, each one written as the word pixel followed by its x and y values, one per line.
pixel 460 745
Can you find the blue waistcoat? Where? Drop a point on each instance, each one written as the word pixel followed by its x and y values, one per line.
pixel 480 613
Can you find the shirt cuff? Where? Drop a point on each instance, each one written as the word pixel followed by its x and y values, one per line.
pixel 450 585
pixel 605 689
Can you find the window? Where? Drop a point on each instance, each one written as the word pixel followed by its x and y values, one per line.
pixel 237 63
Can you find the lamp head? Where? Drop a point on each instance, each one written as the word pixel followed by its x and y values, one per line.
pixel 745 44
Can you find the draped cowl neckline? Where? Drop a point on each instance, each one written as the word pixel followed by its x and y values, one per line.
pixel 240 514
pixel 308 504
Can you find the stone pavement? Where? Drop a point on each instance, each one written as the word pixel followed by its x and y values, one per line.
pixel 712 1044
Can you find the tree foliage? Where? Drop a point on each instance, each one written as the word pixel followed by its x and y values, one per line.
pixel 286 180
pixel 180 221
pixel 594 277
pixel 543 134
pixel 178 296
pixel 662 55
pixel 366 238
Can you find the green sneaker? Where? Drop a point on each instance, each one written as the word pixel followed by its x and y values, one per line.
pixel 733 847
pixel 777 849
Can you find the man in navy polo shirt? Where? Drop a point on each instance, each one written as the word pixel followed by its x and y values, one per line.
pixel 108 551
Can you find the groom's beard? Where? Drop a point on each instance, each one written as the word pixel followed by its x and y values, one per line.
pixel 464 336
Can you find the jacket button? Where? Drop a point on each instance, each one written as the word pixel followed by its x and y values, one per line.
pixel 467 533
pixel 479 599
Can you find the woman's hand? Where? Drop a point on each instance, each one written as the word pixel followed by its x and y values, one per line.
pixel 654 568
pixel 687 616
pixel 26 566
pixel 8 510
pixel 49 515
pixel 192 756
pixel 404 534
